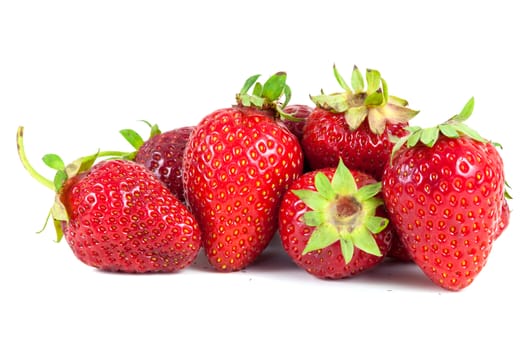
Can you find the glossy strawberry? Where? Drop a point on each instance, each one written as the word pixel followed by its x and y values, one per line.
pixel 444 191
pixel 355 125
pixel 332 222
pixel 117 216
pixel 300 113
pixel 238 163
pixel 162 154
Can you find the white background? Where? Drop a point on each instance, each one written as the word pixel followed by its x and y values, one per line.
pixel 74 73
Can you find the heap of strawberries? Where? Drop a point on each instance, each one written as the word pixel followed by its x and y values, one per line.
pixel 346 184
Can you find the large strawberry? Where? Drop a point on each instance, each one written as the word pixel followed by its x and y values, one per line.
pixel 332 222
pixel 444 191
pixel 116 216
pixel 238 163
pixel 355 125
pixel 162 154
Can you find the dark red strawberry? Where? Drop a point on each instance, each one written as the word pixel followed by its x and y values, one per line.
pixel 300 114
pixel 355 125
pixel 162 154
pixel 332 222
pixel 238 163
pixel 444 191
pixel 117 216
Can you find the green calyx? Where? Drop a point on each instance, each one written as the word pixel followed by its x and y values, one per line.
pixel 135 140
pixel 342 212
pixel 453 128
pixel 358 103
pixel 267 96
pixel 63 172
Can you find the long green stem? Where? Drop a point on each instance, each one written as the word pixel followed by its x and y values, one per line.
pixel 22 154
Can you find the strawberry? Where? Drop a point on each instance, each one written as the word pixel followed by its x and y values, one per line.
pixel 355 125
pixel 300 114
pixel 332 222
pixel 238 163
pixel 117 216
pixel 162 154
pixel 444 191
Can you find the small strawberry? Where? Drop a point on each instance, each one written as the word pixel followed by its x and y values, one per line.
pixel 444 191
pixel 300 114
pixel 116 216
pixel 332 222
pixel 355 125
pixel 238 163
pixel 162 154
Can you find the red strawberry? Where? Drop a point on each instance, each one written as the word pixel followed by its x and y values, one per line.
pixel 162 154
pixel 301 113
pixel 238 163
pixel 356 125
pixel 444 193
pixel 332 222
pixel 117 216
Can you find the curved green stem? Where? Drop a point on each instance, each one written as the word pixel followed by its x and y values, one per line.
pixel 22 155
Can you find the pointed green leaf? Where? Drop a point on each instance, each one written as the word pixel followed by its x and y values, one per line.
pixel 347 249
pixel 376 224
pixel 343 182
pixel 132 137
pixel 248 84
pixel 368 191
pixel 258 89
pixel 244 99
pixel 466 111
pixel 385 90
pixel 274 86
pixel 59 179
pixel 288 94
pixel 58 230
pixel 323 186
pixel 355 116
pixel 340 79
pixel 397 101
pixel 466 130
pixel 314 218
pixel 58 210
pixel 397 146
pixel 53 161
pixel 429 136
pixel 312 199
pixel 80 165
pixel 357 80
pixel 374 99
pixel 322 237
pixel 256 101
pixel 365 241
pixel 373 79
pixel 413 138
pixel 448 130
pixel 335 102
pixel 396 113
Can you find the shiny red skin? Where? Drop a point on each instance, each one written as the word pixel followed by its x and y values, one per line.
pixel 121 218
pixel 325 263
pixel 327 137
pixel 298 111
pixel 237 165
pixel 446 205
pixel 162 154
